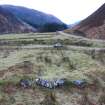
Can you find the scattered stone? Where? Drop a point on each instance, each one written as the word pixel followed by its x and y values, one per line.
pixel 50 84
pixel 25 83
pixel 57 45
pixel 79 83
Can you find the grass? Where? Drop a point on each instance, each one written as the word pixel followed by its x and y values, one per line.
pixel 49 38
pixel 52 64
pixel 48 63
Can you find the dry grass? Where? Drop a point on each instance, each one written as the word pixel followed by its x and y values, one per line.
pixel 50 63
pixel 50 99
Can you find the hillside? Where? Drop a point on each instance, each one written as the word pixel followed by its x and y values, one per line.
pixel 10 24
pixel 33 55
pixel 41 21
pixel 93 26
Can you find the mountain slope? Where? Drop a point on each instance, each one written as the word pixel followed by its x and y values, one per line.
pixel 35 18
pixel 94 25
pixel 10 24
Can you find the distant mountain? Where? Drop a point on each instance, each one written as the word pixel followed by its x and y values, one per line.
pixel 93 26
pixel 74 24
pixel 41 21
pixel 11 24
pixel 70 26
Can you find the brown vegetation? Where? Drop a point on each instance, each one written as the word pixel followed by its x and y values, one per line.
pixel 91 27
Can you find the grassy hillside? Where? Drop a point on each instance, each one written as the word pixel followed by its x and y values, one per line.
pixel 33 55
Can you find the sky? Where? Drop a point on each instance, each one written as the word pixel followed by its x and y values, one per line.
pixel 69 11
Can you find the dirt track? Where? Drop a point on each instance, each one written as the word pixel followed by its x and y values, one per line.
pixel 67 47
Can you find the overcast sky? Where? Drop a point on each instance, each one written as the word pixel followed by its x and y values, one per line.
pixel 69 11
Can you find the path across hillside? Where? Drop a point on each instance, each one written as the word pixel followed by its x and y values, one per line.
pixel 48 47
